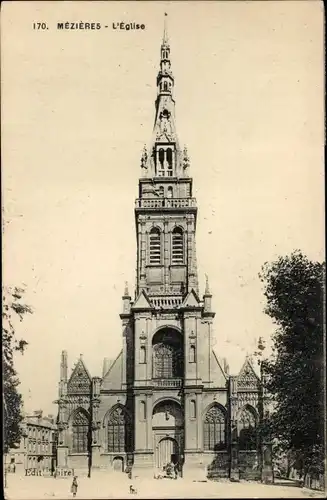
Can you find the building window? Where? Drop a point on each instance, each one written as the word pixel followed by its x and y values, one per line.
pixel 192 409
pixel 161 192
pixel 166 361
pixel 142 354
pixel 170 192
pixel 80 432
pixel 177 256
pixel 117 430
pixel 155 246
pixel 192 354
pixel 247 430
pixel 161 158
pixel 169 156
pixel 214 429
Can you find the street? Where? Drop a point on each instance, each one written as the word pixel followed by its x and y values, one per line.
pixel 111 486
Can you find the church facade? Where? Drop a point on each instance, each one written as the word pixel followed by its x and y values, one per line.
pixel 166 397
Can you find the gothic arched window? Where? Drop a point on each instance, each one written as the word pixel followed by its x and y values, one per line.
pixel 247 429
pixel 177 255
pixel 166 361
pixel 117 430
pixel 155 246
pixel 80 432
pixel 165 86
pixel 214 437
pixel 161 191
pixel 169 192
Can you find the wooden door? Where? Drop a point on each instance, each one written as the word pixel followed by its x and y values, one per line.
pixel 167 451
pixel 118 464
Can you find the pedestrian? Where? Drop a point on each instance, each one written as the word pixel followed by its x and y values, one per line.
pixel 74 486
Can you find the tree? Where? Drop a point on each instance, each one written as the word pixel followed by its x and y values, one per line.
pixel 293 287
pixel 12 309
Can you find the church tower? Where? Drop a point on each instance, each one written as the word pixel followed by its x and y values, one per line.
pixel 165 210
pixel 171 327
pixel 166 397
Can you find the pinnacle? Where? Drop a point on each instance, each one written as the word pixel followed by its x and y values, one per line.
pixel 126 293
pixel 207 289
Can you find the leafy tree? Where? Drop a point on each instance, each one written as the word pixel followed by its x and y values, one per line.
pixel 293 286
pixel 12 309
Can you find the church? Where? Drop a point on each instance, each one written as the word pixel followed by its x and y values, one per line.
pixel 166 398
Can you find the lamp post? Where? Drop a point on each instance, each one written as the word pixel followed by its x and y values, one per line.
pixel 265 451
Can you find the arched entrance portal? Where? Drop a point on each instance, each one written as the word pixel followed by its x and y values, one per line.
pixel 166 451
pixel 167 428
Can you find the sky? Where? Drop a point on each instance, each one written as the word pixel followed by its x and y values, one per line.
pixel 77 108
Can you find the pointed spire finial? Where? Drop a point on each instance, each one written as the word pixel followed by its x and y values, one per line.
pixel 165 34
pixel 126 293
pixel 81 356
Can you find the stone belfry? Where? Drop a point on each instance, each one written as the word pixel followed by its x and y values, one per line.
pixel 165 210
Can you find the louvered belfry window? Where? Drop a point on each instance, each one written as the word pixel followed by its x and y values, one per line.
pixel 155 247
pixel 80 432
pixel 177 246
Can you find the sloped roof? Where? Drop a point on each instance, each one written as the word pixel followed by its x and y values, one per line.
pixel 80 379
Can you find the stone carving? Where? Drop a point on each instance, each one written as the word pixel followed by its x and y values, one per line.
pixel 186 159
pixel 80 381
pixel 80 418
pixel 96 426
pixel 214 414
pixel 247 397
pixel 143 336
pixel 118 416
pixel 247 379
pixel 96 403
pixel 76 400
pixel 165 130
pixel 247 419
pixel 144 158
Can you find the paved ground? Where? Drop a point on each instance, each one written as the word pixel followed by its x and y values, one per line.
pixel 108 486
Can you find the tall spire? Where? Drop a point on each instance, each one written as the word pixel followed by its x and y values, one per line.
pixel 165 80
pixel 165 33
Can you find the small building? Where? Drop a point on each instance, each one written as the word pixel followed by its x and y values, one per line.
pixel 37 449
